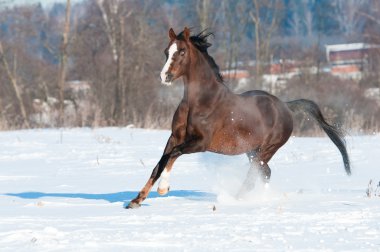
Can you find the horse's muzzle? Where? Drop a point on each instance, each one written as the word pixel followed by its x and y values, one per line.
pixel 169 78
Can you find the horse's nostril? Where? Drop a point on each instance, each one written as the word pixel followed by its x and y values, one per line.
pixel 169 77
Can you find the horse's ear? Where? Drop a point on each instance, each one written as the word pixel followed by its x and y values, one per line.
pixel 186 33
pixel 172 34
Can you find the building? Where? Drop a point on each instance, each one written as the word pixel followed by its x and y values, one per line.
pixel 349 61
pixel 239 76
pixel 235 74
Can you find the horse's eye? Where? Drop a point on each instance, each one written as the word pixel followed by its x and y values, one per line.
pixel 182 52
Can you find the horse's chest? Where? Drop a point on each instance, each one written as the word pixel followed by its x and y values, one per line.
pixel 198 125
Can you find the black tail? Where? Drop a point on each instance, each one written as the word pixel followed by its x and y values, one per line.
pixel 312 109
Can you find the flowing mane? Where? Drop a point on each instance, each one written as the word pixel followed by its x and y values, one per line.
pixel 201 43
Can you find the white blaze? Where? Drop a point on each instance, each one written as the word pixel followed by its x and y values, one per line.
pixel 164 182
pixel 172 49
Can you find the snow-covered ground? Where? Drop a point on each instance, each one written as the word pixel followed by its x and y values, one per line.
pixel 64 190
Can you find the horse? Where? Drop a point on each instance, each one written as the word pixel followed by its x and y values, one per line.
pixel 212 118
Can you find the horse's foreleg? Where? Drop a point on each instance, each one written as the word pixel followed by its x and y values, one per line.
pixel 163 186
pixel 185 148
pixel 167 161
pixel 156 173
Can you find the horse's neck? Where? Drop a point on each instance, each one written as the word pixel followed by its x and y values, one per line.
pixel 201 85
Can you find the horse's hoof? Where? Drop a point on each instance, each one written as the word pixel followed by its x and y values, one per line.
pixel 266 179
pixel 133 205
pixel 163 191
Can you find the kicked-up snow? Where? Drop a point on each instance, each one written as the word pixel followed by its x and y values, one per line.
pixel 64 190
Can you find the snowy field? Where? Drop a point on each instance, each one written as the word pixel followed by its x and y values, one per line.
pixel 64 190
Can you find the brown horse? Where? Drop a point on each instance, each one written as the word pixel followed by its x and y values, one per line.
pixel 212 118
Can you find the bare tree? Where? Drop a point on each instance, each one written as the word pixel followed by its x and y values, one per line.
pixel 265 17
pixel 350 21
pixel 372 27
pixel 207 11
pixel 235 21
pixel 63 62
pixel 13 78
pixel 296 24
pixel 371 13
pixel 114 13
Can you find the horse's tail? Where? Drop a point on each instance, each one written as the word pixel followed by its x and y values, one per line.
pixel 334 133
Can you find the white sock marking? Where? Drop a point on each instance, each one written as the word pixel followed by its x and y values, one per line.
pixel 172 49
pixel 164 182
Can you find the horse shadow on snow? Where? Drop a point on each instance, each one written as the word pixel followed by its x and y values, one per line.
pixel 117 196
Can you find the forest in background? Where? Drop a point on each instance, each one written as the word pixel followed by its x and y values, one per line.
pixel 97 63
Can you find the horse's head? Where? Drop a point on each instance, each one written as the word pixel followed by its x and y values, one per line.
pixel 177 56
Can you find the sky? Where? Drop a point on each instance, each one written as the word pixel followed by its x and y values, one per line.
pixel 44 2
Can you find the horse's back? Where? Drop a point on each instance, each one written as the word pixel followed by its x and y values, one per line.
pixel 264 100
pixel 255 93
pixel 269 108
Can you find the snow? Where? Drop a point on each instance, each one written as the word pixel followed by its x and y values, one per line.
pixel 64 190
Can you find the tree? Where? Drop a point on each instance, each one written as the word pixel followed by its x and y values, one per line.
pixel 13 78
pixel 371 34
pixel 63 62
pixel 207 11
pixel 12 75
pixel 350 21
pixel 114 13
pixel 264 16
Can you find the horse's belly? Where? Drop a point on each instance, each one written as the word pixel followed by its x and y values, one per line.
pixel 232 144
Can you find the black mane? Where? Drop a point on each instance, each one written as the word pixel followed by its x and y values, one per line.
pixel 200 42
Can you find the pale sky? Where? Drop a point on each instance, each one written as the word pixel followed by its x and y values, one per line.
pixel 44 2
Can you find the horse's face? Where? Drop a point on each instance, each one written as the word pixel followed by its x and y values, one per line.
pixel 177 57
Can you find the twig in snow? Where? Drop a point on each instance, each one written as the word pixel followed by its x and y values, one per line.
pixel 369 190
pixel 142 163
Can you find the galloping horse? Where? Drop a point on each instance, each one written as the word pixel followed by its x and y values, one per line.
pixel 212 118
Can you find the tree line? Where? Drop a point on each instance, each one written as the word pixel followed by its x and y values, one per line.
pixel 96 63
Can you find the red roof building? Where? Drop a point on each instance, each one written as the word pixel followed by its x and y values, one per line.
pixel 349 60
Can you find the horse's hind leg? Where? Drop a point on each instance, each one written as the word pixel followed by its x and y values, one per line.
pixel 265 172
pixel 257 168
pixel 263 167
pixel 253 173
